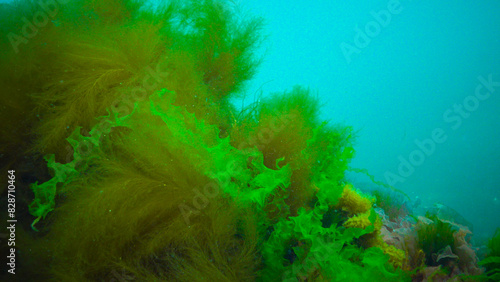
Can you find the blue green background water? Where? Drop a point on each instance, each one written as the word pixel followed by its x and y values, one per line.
pixel 396 88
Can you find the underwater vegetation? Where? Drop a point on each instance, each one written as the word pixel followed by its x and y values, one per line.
pixel 492 260
pixel 435 237
pixel 146 171
pixel 96 55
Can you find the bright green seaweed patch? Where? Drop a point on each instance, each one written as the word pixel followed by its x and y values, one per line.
pixel 221 161
pixel 302 248
pixel 316 251
pixel 45 193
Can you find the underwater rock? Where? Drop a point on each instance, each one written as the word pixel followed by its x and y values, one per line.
pixel 444 256
pixel 394 233
pixel 446 213
pixel 459 258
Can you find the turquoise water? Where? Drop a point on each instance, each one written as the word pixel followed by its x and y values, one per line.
pixel 398 87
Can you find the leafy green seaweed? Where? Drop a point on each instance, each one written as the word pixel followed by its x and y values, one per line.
pixel 492 261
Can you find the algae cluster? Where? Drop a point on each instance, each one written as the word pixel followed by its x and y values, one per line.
pixel 154 174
